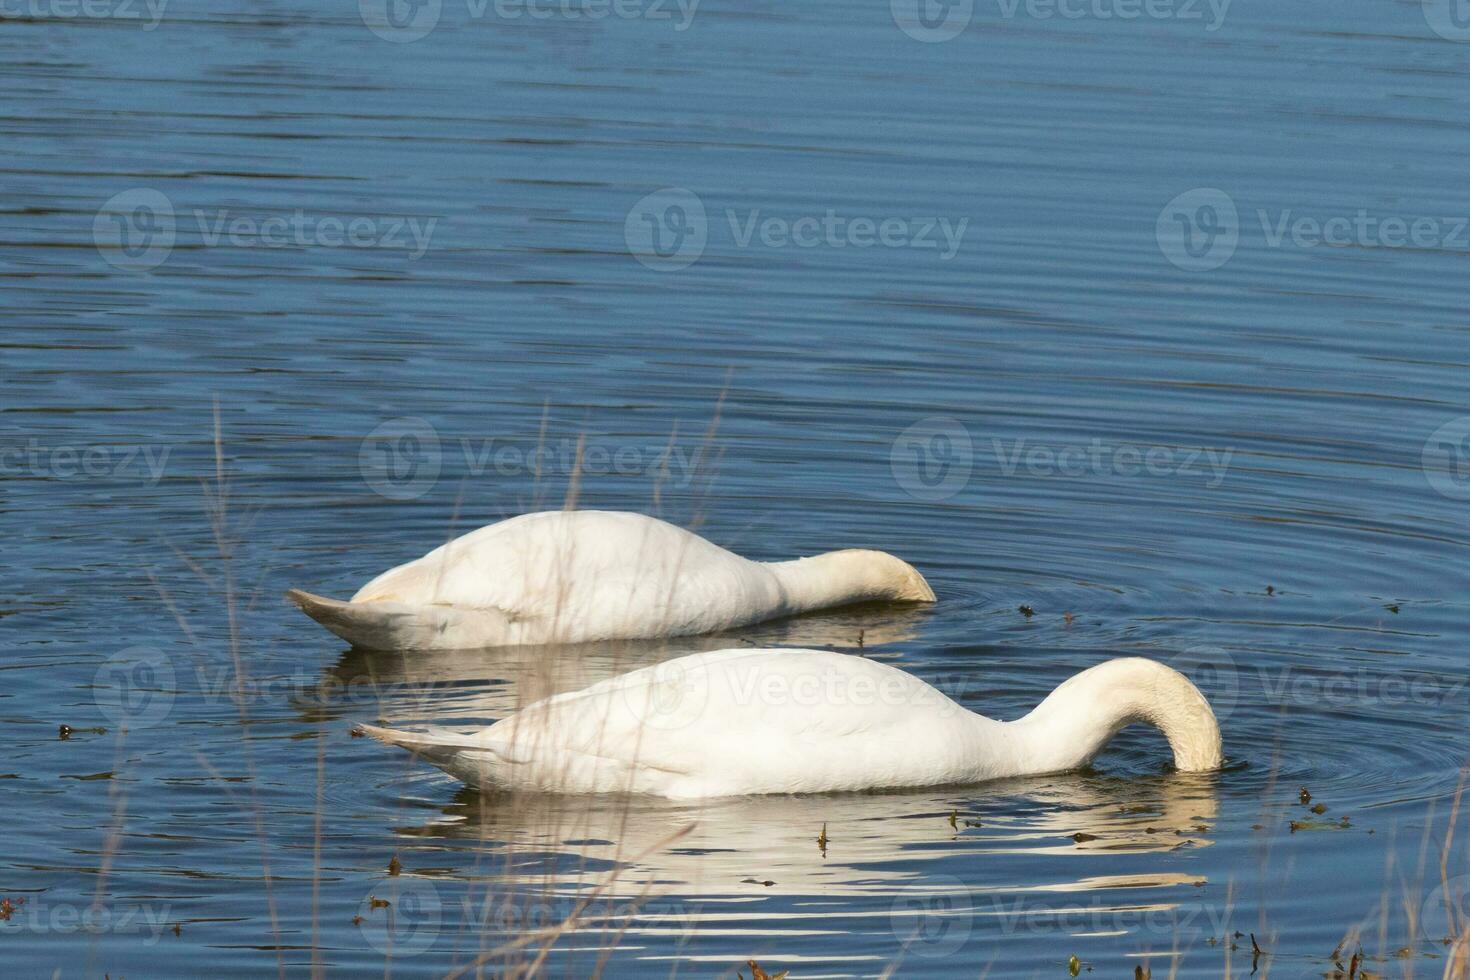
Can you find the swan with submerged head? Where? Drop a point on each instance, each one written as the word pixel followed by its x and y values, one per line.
pixel 751 721
pixel 579 576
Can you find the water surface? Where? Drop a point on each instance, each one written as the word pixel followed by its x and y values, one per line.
pixel 1234 469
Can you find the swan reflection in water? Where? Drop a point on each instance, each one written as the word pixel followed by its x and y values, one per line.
pixel 716 873
pixel 467 687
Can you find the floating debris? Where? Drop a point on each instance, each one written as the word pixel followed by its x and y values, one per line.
pixel 954 816
pixel 64 732
pixel 1320 808
pixel 756 973
pixel 1270 590
pixel 378 903
pixel 861 635
pixel 1304 796
pixel 752 881
pixel 357 733
pixel 1068 618
pixel 1074 966
pixel 1141 972
pixel 1026 611
pixel 394 866
pixel 1082 838
pixel 1392 607
pixel 822 840
pixel 8 907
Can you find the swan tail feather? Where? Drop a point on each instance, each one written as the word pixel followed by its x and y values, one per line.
pixel 478 763
pixel 387 625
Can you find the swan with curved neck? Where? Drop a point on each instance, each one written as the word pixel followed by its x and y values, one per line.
pixel 749 721
pixel 578 576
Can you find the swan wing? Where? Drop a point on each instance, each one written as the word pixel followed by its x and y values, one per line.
pixel 703 712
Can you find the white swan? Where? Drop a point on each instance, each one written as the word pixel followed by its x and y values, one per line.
pixel 576 576
pixel 744 721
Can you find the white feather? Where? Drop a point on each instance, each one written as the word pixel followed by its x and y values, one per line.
pixel 745 721
pixel 577 576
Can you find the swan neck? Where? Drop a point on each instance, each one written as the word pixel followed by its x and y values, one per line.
pixel 841 577
pixel 1083 714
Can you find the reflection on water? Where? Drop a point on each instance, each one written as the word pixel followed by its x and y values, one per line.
pixel 450 686
pixel 718 868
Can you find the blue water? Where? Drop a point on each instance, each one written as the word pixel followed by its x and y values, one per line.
pixel 1174 426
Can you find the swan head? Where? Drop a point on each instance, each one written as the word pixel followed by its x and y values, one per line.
pixel 1084 712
